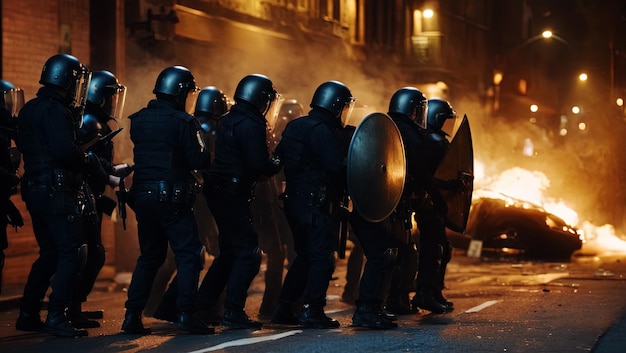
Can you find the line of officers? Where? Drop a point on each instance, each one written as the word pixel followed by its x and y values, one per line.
pixel 64 136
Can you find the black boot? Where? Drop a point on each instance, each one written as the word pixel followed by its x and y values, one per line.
pixel 384 313
pixel 80 320
pixel 237 319
pixel 190 322
pixel 314 317
pixel 439 298
pixel 424 299
pixel 367 315
pixel 283 315
pixel 132 324
pixel 29 322
pixel 58 324
pixel 396 305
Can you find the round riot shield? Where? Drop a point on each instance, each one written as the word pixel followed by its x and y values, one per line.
pixel 376 167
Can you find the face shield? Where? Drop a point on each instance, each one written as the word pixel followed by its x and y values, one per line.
pixel 190 101
pixel 79 98
pixel 272 110
pixel 13 100
pixel 116 102
pixel 451 125
pixel 420 114
pixel 347 111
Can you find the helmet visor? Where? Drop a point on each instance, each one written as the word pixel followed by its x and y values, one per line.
pixel 117 102
pixel 13 100
pixel 347 111
pixel 273 110
pixel 80 90
pixel 420 114
pixel 192 97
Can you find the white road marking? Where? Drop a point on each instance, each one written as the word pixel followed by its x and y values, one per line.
pixel 481 306
pixel 248 341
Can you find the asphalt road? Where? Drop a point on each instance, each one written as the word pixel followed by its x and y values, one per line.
pixel 501 306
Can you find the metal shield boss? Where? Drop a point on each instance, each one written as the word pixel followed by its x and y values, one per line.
pixel 376 167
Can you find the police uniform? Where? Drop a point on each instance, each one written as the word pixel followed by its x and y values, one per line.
pixel 168 145
pixel 405 269
pixel 51 187
pixel 313 151
pixel 241 158
pixel 93 191
pixel 434 248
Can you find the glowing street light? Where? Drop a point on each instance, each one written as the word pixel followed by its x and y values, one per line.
pixel 428 13
pixel 576 109
pixel 582 77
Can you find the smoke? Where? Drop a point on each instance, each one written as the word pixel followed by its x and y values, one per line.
pixel 578 169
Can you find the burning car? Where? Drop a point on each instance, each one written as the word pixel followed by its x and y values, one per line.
pixel 507 226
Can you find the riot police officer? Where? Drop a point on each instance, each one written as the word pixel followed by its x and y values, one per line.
pixel 105 103
pixel 51 188
pixel 211 105
pixel 168 146
pixel 408 108
pixel 241 159
pixel 11 101
pixel 313 151
pixel 435 251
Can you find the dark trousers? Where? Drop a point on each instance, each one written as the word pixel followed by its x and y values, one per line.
pixel 432 241
pixel 92 236
pixel 239 259
pixel 59 239
pixel 374 240
pixel 157 224
pixel 314 242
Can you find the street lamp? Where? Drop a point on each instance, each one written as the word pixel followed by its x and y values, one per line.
pixel 547 34
pixel 514 53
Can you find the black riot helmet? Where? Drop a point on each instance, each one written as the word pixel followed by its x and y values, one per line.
pixel 411 102
pixel 11 98
pixel 211 102
pixel 438 111
pixel 334 97
pixel 106 93
pixel 90 130
pixel 69 74
pixel 259 91
pixel 177 84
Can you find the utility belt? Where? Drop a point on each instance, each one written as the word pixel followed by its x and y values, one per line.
pixel 165 191
pixel 57 180
pixel 319 198
pixel 232 185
